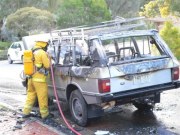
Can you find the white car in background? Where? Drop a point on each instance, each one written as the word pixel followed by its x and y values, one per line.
pixel 15 52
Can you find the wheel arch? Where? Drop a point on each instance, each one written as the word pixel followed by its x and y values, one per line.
pixel 70 88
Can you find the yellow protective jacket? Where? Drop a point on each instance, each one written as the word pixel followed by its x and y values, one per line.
pixel 41 60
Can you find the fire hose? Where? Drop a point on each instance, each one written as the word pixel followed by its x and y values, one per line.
pixel 58 103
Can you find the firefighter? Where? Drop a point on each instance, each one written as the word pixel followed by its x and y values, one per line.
pixel 37 85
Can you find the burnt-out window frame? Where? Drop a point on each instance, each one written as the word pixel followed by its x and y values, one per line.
pixel 139 52
pixel 65 51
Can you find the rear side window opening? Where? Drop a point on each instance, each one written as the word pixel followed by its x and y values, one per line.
pixel 127 48
pixel 70 53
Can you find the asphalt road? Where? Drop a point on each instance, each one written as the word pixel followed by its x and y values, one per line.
pixel 123 120
pixel 10 76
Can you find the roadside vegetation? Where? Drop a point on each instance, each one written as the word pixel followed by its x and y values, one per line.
pixel 169 9
pixel 20 18
pixel 20 22
pixel 171 35
pixel 3 50
pixel 4 45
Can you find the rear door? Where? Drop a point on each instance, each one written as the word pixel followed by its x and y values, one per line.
pixel 136 62
pixel 63 63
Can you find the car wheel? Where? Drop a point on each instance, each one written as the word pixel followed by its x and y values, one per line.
pixel 143 106
pixel 78 108
pixel 10 61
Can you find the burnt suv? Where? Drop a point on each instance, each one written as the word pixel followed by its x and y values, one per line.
pixel 109 64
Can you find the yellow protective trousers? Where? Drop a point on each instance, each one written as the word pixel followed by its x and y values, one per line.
pixel 37 90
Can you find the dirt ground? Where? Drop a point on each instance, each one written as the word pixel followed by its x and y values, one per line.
pixel 168 111
pixel 164 120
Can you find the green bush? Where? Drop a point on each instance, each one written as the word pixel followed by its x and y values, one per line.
pixel 3 50
pixel 82 12
pixel 3 54
pixel 171 35
pixel 4 45
pixel 30 20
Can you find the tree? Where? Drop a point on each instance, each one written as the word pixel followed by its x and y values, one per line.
pixel 81 12
pixel 53 5
pixel 124 8
pixel 30 20
pixel 10 6
pixel 171 35
pixel 161 8
pixel 175 7
pixel 152 9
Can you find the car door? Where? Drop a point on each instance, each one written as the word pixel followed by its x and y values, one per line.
pixel 16 52
pixel 19 51
pixel 61 71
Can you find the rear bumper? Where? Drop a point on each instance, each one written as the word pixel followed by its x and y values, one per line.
pixel 135 93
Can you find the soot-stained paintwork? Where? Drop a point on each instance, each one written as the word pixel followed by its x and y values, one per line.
pixel 145 66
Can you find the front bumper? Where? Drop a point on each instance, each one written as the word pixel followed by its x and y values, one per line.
pixel 135 93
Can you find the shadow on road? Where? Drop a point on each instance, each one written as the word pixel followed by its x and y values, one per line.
pixel 144 117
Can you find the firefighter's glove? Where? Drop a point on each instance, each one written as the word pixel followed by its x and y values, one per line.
pixel 43 71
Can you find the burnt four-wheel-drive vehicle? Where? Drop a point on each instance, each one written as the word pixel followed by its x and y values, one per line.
pixel 109 64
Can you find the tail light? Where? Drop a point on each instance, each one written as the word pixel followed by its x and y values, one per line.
pixel 175 73
pixel 104 85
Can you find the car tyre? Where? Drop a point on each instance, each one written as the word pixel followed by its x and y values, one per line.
pixel 143 106
pixel 10 61
pixel 78 108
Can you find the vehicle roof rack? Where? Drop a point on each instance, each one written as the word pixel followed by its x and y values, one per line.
pixel 116 25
